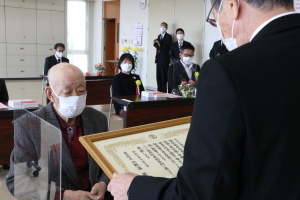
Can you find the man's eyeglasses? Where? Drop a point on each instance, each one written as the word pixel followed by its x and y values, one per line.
pixel 212 21
pixel 188 55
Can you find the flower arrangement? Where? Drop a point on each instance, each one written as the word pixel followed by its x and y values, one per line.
pixel 134 54
pixel 126 49
pixel 187 86
pixel 99 67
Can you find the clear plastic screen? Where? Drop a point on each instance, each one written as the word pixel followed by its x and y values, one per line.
pixel 37 158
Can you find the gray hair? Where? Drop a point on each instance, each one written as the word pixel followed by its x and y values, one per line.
pixel 262 5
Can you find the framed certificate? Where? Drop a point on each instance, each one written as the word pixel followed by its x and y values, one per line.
pixel 153 149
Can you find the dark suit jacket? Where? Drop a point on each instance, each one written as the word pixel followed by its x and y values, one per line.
pixel 217 49
pixel 27 145
pixel 163 51
pixel 243 143
pixel 3 91
pixel 51 61
pixel 177 74
pixel 174 53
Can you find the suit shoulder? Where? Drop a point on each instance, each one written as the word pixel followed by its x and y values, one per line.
pixel 93 112
pixel 136 77
pixel 50 57
pixel 169 35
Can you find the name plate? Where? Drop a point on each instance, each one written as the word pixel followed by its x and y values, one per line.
pixel 153 149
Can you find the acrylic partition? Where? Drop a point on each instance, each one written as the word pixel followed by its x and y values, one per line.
pixel 37 158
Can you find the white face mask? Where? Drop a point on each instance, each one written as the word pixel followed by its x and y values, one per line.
pixel 72 106
pixel 180 36
pixel 59 54
pixel 126 67
pixel 187 60
pixel 162 29
pixel 230 43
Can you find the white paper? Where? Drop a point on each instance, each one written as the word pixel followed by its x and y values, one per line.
pixel 2 106
pixel 138 33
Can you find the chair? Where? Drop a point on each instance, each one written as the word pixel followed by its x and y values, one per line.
pixel 36 166
pixel 110 109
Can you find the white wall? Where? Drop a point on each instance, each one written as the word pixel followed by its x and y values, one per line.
pixel 131 14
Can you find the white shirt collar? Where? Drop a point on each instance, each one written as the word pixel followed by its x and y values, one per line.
pixel 163 34
pixel 268 21
pixel 56 57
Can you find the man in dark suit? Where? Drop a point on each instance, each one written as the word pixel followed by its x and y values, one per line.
pixel 162 59
pixel 244 138
pixel 50 61
pixel 217 49
pixel 81 177
pixel 3 91
pixel 175 48
pixel 183 69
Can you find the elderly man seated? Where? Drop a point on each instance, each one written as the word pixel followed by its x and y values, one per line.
pixel 81 176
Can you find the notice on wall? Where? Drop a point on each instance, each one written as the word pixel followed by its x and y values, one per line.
pixel 297 5
pixel 138 33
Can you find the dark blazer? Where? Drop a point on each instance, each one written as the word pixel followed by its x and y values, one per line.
pixel 163 51
pixel 174 53
pixel 3 91
pixel 177 74
pixel 51 61
pixel 243 143
pixel 217 49
pixel 27 146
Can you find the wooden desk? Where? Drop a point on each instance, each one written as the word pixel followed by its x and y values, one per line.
pixel 143 110
pixel 97 88
pixel 7 133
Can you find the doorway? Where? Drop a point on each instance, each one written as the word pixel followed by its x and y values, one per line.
pixel 110 46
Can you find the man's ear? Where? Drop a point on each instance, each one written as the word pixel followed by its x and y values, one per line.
pixel 49 93
pixel 232 6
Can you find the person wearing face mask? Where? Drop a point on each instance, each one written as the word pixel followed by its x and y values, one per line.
pixel 124 83
pixel 175 48
pixel 183 69
pixel 243 142
pixel 82 179
pixel 50 61
pixel 162 59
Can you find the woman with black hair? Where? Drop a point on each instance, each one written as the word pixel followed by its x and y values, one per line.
pixel 124 83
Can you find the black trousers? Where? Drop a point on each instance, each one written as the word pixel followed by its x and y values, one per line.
pixel 162 76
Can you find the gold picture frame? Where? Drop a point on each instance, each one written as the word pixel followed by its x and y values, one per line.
pixel 106 148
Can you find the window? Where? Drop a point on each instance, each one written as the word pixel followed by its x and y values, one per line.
pixel 77 32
